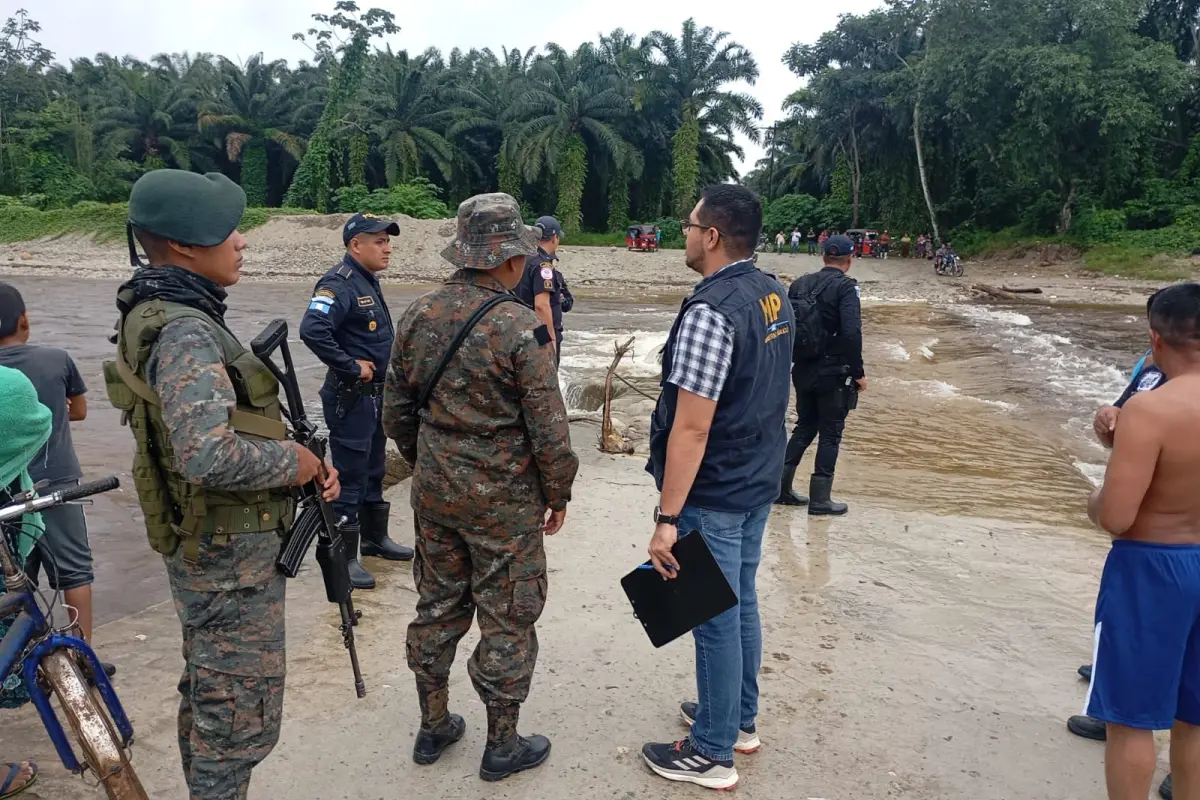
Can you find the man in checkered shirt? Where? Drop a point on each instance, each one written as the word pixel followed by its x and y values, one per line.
pixel 716 452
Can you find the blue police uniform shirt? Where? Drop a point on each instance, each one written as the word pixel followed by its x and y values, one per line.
pixel 1145 378
pixel 541 276
pixel 348 320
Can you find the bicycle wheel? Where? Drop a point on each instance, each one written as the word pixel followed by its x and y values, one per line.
pixel 89 722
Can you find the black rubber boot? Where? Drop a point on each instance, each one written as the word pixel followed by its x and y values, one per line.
pixel 819 503
pixel 359 577
pixel 375 542
pixel 787 497
pixel 430 743
pixel 1088 727
pixel 507 752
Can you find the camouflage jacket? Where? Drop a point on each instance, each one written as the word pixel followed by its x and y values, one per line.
pixel 186 372
pixel 493 448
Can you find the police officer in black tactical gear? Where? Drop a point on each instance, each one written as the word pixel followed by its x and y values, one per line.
pixel 348 327
pixel 827 383
pixel 542 286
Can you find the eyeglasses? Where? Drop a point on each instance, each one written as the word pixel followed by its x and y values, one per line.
pixel 686 224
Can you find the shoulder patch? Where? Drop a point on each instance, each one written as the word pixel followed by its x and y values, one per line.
pixel 325 293
pixel 366 301
pixel 542 334
pixel 1149 381
pixel 547 272
pixel 858 291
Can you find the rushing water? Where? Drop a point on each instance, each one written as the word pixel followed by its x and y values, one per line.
pixel 970 409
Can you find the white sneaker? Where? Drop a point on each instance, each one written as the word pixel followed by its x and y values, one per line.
pixel 747 741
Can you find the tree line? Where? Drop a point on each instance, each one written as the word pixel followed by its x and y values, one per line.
pixel 1046 116
pixel 1073 117
pixel 621 128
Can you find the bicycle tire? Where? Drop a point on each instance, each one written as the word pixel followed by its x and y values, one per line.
pixel 92 728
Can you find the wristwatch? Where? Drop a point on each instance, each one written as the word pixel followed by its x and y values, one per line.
pixel 661 518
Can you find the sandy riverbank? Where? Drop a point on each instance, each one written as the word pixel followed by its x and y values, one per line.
pixel 300 248
pixel 905 655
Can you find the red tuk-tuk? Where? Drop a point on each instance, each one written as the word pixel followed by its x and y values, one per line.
pixel 641 237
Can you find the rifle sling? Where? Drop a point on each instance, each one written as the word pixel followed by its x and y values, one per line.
pixel 459 338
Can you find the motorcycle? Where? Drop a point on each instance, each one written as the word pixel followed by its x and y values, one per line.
pixel 948 265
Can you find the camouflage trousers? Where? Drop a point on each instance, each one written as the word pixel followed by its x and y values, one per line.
pixel 231 605
pixel 499 574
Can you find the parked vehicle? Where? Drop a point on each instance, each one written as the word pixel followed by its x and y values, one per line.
pixel 641 237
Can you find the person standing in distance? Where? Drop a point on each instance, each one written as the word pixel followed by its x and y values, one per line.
pixel 716 449
pixel 542 286
pixel 492 474
pixel 828 376
pixel 212 469
pixel 64 550
pixel 348 327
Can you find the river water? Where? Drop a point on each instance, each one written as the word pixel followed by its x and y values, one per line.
pixel 970 409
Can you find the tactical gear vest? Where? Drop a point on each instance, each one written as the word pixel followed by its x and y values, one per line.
pixel 175 509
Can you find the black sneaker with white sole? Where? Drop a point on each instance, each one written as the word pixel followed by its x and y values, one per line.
pixel 679 761
pixel 747 741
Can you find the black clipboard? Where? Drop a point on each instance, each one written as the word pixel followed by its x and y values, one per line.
pixel 668 609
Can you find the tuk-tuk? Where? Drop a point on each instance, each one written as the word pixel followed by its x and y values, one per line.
pixel 866 242
pixel 641 237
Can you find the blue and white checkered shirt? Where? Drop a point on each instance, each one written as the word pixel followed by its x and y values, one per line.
pixel 703 350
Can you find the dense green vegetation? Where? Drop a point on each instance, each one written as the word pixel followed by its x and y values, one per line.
pixel 361 126
pixel 989 123
pixel 1068 118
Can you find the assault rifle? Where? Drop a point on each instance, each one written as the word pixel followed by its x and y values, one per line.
pixel 314 518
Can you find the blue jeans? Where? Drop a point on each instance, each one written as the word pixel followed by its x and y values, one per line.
pixel 729 646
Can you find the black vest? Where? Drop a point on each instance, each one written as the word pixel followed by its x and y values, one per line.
pixel 744 455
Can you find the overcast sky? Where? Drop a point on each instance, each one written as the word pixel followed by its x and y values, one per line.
pixel 238 29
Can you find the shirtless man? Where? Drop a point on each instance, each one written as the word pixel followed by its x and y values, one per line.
pixel 1146 673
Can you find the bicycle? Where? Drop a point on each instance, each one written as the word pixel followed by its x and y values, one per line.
pixel 50 660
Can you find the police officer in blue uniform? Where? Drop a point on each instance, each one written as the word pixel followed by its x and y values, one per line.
pixel 543 287
pixel 348 327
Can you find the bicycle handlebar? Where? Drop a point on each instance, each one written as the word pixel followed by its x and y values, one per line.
pixel 40 502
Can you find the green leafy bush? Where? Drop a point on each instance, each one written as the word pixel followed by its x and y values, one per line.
pixel 1095 226
pixel 418 199
pixel 790 211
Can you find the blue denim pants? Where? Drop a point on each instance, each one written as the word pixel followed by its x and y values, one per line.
pixel 729 646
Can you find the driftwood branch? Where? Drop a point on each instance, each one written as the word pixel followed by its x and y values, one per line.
pixel 636 389
pixel 1018 290
pixel 610 440
pixel 1008 296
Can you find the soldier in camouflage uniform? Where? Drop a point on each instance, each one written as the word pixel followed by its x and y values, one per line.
pixel 493 474
pixel 211 468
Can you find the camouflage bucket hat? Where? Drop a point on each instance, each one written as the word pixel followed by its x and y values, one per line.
pixel 490 232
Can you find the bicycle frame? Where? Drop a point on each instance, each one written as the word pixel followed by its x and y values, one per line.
pixel 30 626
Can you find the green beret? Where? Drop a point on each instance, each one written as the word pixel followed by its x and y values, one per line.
pixel 187 207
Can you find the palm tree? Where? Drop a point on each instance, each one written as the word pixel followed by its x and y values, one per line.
pixel 252 112
pixel 692 72
pixel 145 106
pixel 567 112
pixel 410 118
pixel 483 87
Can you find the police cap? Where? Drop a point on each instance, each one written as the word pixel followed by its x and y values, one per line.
pixel 186 207
pixel 839 246
pixel 363 222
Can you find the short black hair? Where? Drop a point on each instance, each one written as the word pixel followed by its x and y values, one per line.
pixel 737 213
pixel 1175 315
pixel 12 307
pixel 155 247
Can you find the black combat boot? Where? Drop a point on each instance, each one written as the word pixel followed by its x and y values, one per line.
pixel 439 728
pixel 359 577
pixel 787 497
pixel 1088 727
pixel 507 752
pixel 1165 791
pixel 375 542
pixel 819 487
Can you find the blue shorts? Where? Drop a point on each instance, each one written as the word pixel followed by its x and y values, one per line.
pixel 1146 652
